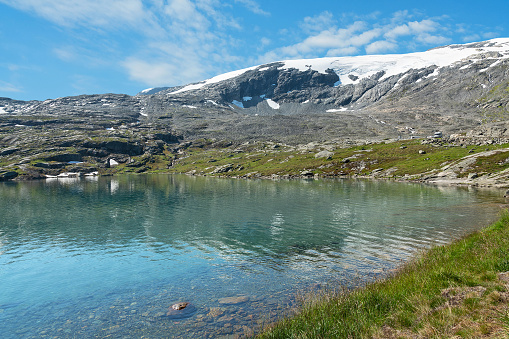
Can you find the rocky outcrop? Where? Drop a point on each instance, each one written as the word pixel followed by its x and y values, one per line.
pixel 116 146
pixel 7 175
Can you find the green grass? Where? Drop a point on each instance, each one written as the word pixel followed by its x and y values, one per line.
pixel 266 159
pixel 492 164
pixel 401 157
pixel 435 296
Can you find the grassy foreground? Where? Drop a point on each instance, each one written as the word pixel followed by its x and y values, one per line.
pixel 455 291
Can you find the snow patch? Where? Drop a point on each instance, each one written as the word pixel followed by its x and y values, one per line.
pixel 305 102
pixel 213 102
pixel 147 90
pixel 334 110
pixel 238 103
pixel 213 80
pixel 2 110
pixel 273 104
pixel 189 106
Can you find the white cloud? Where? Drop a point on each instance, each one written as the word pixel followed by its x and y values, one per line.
pixel 155 74
pixel 471 38
pixel 177 41
pixel 318 23
pixel 429 39
pixel 423 26
pixel 342 51
pixel 400 30
pixel 380 46
pixel 265 41
pixel 490 35
pixel 174 42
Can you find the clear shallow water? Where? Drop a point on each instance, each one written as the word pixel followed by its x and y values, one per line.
pixel 108 256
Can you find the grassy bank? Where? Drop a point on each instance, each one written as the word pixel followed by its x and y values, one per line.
pixel 453 291
pixel 390 160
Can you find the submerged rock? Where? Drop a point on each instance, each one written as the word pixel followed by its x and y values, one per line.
pixel 180 310
pixel 234 300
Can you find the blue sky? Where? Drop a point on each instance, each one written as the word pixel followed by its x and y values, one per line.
pixel 56 48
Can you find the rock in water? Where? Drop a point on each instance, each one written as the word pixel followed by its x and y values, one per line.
pixel 180 310
pixel 179 306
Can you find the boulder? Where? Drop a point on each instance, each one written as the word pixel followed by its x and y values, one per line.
pixel 306 173
pixel 472 176
pixel 324 154
pixel 7 175
pixel 222 169
pixel 50 165
pixel 8 151
pixel 116 146
pixel 65 157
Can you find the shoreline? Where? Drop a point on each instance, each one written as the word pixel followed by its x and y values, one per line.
pixel 460 289
pixel 435 161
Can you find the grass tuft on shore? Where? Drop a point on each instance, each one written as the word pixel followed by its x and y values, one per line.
pixel 459 290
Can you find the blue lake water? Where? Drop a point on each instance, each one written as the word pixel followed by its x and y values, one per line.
pixel 107 256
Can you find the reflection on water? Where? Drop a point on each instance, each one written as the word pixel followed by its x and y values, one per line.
pixel 108 256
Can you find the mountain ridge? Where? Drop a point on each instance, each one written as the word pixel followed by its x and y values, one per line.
pixel 461 91
pixel 452 88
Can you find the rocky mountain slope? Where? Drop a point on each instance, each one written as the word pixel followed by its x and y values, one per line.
pixel 457 89
pixel 453 88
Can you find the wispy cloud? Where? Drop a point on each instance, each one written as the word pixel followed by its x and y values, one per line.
pixel 8 87
pixel 178 40
pixel 173 42
pixel 253 6
pixel 318 23
pixel 90 13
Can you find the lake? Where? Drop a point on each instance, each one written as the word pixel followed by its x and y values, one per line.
pixel 107 256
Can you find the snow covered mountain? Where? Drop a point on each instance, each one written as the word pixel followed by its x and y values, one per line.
pixel 335 74
pixel 453 89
